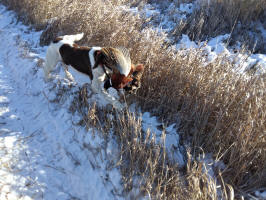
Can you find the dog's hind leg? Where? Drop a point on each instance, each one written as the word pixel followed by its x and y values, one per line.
pixel 51 59
pixel 68 74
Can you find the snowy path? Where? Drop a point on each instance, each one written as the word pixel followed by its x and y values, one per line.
pixel 42 155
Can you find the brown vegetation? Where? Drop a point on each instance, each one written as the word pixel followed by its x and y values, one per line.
pixel 145 164
pixel 218 17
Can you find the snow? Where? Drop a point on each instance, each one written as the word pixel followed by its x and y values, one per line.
pixel 261 194
pixel 162 19
pixel 150 123
pixel 42 155
pixel 186 7
pixel 186 43
pixel 218 47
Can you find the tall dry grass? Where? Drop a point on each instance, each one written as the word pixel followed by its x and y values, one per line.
pixel 223 112
pixel 145 165
pixel 237 17
pixel 220 111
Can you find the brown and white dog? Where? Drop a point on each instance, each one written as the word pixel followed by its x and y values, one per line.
pixel 99 63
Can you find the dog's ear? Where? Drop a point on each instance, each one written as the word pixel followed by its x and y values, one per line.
pixel 99 56
pixel 126 80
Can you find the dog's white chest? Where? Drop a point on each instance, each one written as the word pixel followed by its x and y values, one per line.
pixel 91 54
pixel 98 73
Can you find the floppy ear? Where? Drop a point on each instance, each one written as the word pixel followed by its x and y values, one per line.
pixel 99 56
pixel 126 80
pixel 120 81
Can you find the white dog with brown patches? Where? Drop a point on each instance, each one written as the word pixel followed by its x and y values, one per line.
pixel 99 63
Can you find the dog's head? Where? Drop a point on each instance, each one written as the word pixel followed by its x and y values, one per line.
pixel 130 84
pixel 124 74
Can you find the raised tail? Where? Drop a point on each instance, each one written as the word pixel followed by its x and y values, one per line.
pixel 73 38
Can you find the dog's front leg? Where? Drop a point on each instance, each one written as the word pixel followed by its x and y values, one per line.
pixel 121 94
pixel 97 88
pixel 96 85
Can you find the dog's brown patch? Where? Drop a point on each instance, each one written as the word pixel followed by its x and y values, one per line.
pixel 78 57
pixel 120 81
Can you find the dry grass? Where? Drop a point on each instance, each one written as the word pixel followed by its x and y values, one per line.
pixel 145 165
pixel 220 111
pixel 218 17
pixel 223 113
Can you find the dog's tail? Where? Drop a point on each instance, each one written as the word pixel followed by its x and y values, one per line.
pixel 73 38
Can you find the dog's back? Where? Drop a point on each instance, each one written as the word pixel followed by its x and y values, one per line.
pixel 77 57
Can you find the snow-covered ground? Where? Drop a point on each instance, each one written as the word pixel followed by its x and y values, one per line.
pixel 42 155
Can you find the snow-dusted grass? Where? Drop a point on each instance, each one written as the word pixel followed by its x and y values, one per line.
pixel 151 162
pixel 219 110
pixel 174 19
pixel 203 20
pixel 239 18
